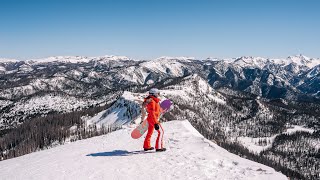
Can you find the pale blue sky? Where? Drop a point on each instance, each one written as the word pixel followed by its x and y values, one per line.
pixel 146 29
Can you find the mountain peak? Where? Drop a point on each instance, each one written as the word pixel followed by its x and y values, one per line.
pixel 302 60
pixel 212 59
pixel 250 61
pixel 182 58
pixel 298 57
pixel 115 58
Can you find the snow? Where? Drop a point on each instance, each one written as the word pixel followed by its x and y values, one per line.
pixel 300 60
pixel 298 128
pixel 129 75
pixel 116 117
pixel 5 60
pixel 76 59
pixel 317 93
pixel 145 74
pixel 49 103
pixel 314 71
pixel 216 99
pixel 130 96
pixel 2 68
pixel 165 65
pixel 134 74
pixel 25 68
pixel 249 61
pixel 118 156
pixel 107 58
pixel 69 59
pixel 252 143
pixel 183 93
pixel 212 59
pixel 115 58
pixel 4 103
pixel 182 58
pixel 93 74
pixel 193 83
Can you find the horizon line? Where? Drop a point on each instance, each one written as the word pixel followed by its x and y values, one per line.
pixel 169 57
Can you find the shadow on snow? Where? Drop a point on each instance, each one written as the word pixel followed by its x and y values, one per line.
pixel 118 153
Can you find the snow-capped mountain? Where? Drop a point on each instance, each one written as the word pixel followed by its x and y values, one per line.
pixel 238 121
pixel 77 59
pixel 5 60
pixel 89 80
pixel 260 62
pixel 310 81
pixel 230 117
pixel 118 156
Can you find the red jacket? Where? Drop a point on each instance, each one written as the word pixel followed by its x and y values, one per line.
pixel 152 106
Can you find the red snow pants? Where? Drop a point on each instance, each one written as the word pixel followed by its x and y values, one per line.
pixel 159 141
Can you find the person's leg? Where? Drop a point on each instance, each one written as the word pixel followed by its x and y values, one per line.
pixel 159 142
pixel 147 144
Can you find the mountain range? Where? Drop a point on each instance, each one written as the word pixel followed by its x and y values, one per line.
pixel 264 109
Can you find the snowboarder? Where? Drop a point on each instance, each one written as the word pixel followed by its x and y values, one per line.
pixel 151 104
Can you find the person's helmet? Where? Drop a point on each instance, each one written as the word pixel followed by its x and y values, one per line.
pixel 154 91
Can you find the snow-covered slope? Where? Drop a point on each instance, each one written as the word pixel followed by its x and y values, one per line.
pixel 121 112
pixel 260 62
pixel 118 156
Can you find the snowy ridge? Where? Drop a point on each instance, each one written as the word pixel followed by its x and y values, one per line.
pixel 192 85
pixel 250 61
pixel 314 71
pixel 76 59
pixel 2 68
pixel 128 106
pixel 114 58
pixel 182 58
pixel 165 65
pixel 5 60
pixel 260 62
pixel 122 112
pixel 244 61
pixel 45 104
pixel 303 60
pixel 118 156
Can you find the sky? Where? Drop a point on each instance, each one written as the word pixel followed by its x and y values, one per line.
pixel 147 29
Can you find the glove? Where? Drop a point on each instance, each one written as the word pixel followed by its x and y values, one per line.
pixel 156 126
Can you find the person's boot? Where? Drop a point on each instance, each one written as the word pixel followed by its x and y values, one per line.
pixel 148 149
pixel 161 150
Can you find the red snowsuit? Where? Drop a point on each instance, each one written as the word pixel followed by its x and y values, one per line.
pixel 153 108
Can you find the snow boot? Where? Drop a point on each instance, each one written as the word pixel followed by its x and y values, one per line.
pixel 161 150
pixel 148 149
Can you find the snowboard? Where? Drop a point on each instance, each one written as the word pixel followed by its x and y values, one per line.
pixel 165 106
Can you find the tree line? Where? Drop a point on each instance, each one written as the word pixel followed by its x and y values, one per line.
pixel 43 132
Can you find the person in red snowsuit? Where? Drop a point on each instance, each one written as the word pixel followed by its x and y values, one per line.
pixel 152 106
